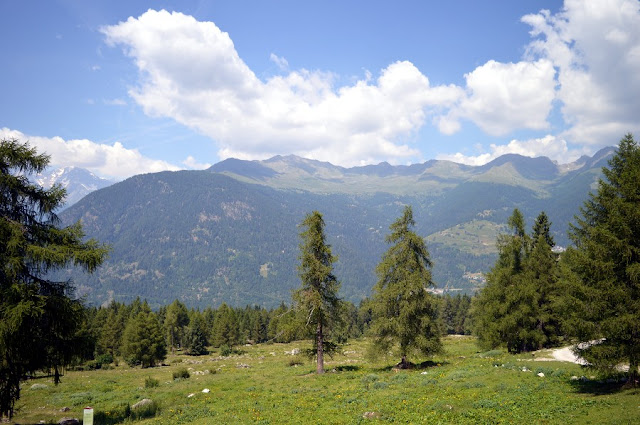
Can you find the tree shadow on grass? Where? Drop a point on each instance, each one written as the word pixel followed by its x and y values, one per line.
pixel 606 387
pixel 412 366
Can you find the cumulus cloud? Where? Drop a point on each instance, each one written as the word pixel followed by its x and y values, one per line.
pixel 191 72
pixel 585 59
pixel 595 46
pixel 550 146
pixel 112 161
pixel 193 164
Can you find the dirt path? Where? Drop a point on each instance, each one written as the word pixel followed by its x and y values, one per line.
pixel 566 355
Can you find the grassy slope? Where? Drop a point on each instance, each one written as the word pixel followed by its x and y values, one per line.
pixel 461 386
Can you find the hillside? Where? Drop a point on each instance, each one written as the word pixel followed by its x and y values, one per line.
pixel 230 233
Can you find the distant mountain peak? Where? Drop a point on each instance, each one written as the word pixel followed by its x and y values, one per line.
pixel 77 181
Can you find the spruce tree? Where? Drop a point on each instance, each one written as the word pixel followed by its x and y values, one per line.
pixel 317 298
pixel 517 305
pixel 142 341
pixel 39 318
pixel 404 312
pixel 195 337
pixel 604 301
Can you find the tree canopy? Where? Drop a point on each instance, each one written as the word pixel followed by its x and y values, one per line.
pixel 317 298
pixel 38 316
pixel 517 307
pixel 604 266
pixel 404 312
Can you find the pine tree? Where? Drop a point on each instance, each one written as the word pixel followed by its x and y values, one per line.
pixel 225 327
pixel 517 305
pixel 404 311
pixel 195 337
pixel 604 301
pixel 38 317
pixel 317 298
pixel 142 341
pixel 175 322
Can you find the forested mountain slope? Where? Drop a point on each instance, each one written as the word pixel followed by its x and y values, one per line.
pixel 230 233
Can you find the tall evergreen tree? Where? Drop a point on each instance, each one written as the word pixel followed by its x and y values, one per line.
pixel 404 312
pixel 604 297
pixel 317 298
pixel 195 336
pixel 175 322
pixel 38 317
pixel 517 305
pixel 225 327
pixel 142 341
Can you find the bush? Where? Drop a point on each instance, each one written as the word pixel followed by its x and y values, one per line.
pixel 225 350
pixel 181 374
pixel 151 382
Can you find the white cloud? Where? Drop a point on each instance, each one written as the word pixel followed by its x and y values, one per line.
pixel 596 47
pixel 282 63
pixel 585 59
pixel 113 161
pixel 550 146
pixel 508 96
pixel 191 72
pixel 193 164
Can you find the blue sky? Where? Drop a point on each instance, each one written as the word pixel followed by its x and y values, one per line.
pixel 126 87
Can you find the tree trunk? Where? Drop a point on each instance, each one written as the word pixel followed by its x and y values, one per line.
pixel 320 348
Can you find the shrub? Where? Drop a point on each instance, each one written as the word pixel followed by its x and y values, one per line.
pixel 151 382
pixel 225 350
pixel 181 374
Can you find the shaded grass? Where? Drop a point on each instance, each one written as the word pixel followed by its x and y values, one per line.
pixel 461 386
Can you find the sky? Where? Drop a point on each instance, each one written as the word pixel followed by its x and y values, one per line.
pixel 129 87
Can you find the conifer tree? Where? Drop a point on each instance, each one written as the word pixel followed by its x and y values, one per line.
pixel 517 305
pixel 604 301
pixel 317 298
pixel 195 338
pixel 142 341
pixel 404 312
pixel 225 327
pixel 38 317
pixel 175 322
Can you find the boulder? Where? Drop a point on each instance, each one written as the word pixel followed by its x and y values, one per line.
pixel 142 403
pixel 69 421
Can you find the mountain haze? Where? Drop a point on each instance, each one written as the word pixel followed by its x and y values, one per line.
pixel 229 233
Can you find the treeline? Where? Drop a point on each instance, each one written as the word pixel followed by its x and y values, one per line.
pixel 137 335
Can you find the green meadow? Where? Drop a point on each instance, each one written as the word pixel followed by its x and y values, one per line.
pixel 265 383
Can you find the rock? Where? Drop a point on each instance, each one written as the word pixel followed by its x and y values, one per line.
pixel 206 390
pixel 424 373
pixel 65 409
pixel 574 378
pixel 243 366
pixel 524 369
pixel 69 421
pixel 370 415
pixel 38 386
pixel 541 375
pixel 142 403
pixel 191 395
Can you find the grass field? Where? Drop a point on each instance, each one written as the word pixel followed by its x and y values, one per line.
pixel 264 384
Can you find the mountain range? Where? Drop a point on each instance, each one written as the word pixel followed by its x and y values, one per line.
pixel 78 182
pixel 230 233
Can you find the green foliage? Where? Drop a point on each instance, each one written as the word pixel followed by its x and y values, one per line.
pixel 226 350
pixel 150 382
pixel 517 307
pixel 181 374
pixel 603 269
pixel 404 312
pixel 143 343
pixel 317 298
pixel 175 322
pixel 196 336
pixel 40 324
pixel 226 327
